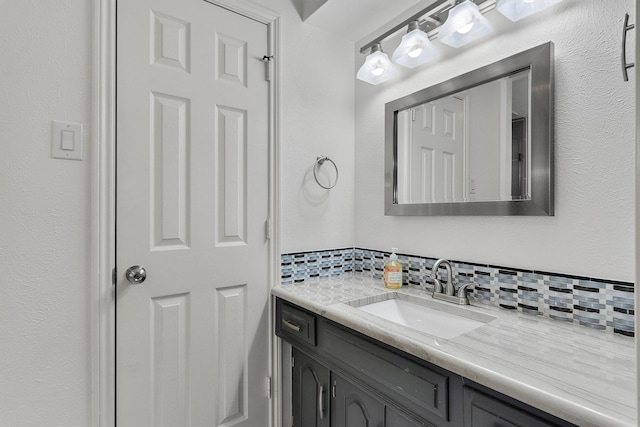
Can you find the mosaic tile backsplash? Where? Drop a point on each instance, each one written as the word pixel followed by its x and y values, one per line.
pixel 596 303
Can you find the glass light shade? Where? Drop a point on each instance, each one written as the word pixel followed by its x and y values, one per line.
pixel 464 25
pixel 377 68
pixel 516 10
pixel 415 49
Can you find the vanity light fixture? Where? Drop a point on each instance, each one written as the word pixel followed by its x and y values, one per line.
pixel 516 10
pixel 415 48
pixel 464 25
pixel 377 67
pixel 454 22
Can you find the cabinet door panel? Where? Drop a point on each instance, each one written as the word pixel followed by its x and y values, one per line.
pixel 353 407
pixel 309 389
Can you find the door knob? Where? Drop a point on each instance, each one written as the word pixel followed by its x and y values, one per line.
pixel 136 274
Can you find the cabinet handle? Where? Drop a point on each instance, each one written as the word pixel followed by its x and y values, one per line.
pixel 321 402
pixel 625 29
pixel 290 325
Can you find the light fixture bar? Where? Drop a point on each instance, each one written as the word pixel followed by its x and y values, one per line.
pixel 435 15
pixel 403 24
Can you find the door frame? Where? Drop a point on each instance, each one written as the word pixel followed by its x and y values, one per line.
pixel 103 201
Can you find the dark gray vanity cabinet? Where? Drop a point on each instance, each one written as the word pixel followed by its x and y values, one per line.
pixel 341 378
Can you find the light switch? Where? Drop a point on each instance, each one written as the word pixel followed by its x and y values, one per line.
pixel 66 141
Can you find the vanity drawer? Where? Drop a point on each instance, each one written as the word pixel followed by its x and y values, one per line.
pixel 490 408
pixel 295 323
pixel 419 388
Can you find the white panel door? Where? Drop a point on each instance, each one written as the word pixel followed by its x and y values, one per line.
pixel 192 340
pixel 437 152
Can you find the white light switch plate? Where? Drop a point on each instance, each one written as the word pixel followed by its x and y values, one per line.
pixel 66 141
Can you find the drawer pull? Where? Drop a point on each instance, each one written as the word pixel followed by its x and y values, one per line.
pixel 290 325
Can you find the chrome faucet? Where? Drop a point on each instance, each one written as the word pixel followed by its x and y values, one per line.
pixel 449 288
pixel 448 292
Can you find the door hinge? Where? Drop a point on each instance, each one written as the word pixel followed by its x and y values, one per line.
pixel 114 276
pixel 413 115
pixel 267 226
pixel 293 361
pixel 267 62
pixel 269 387
pixel 333 390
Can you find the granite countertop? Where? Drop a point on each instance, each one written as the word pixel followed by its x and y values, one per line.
pixel 584 376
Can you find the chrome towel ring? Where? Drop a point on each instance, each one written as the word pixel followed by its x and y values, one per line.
pixel 626 27
pixel 319 162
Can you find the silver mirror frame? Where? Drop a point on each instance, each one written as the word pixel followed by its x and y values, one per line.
pixel 540 60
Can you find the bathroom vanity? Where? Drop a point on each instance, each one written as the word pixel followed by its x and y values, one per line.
pixel 350 367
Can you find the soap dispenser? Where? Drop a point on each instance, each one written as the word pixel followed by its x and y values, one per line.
pixel 393 271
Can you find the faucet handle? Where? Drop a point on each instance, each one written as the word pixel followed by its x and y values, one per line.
pixel 462 293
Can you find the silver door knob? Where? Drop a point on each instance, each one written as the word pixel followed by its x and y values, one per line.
pixel 136 274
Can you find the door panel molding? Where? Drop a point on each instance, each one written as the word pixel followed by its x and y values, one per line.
pixel 103 169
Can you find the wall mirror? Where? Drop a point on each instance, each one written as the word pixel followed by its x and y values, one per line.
pixel 477 144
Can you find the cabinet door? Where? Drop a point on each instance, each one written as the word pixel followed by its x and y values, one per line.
pixel 310 395
pixel 353 407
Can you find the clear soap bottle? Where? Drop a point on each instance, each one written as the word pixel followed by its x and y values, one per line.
pixel 393 271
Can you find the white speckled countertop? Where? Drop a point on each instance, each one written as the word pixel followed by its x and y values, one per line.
pixel 584 376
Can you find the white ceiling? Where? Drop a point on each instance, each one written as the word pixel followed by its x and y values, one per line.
pixel 356 19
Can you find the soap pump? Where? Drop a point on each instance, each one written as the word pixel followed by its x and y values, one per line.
pixel 393 271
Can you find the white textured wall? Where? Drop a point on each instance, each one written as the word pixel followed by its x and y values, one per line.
pixel 317 119
pixel 592 232
pixel 45 74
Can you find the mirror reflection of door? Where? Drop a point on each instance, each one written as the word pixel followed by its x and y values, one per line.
pixel 432 142
pixel 469 146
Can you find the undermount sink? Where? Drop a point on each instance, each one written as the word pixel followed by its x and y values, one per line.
pixel 431 317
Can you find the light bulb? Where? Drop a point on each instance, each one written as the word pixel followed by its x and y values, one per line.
pixel 376 68
pixel 415 52
pixel 468 21
pixel 415 48
pixel 464 24
pixel 465 28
